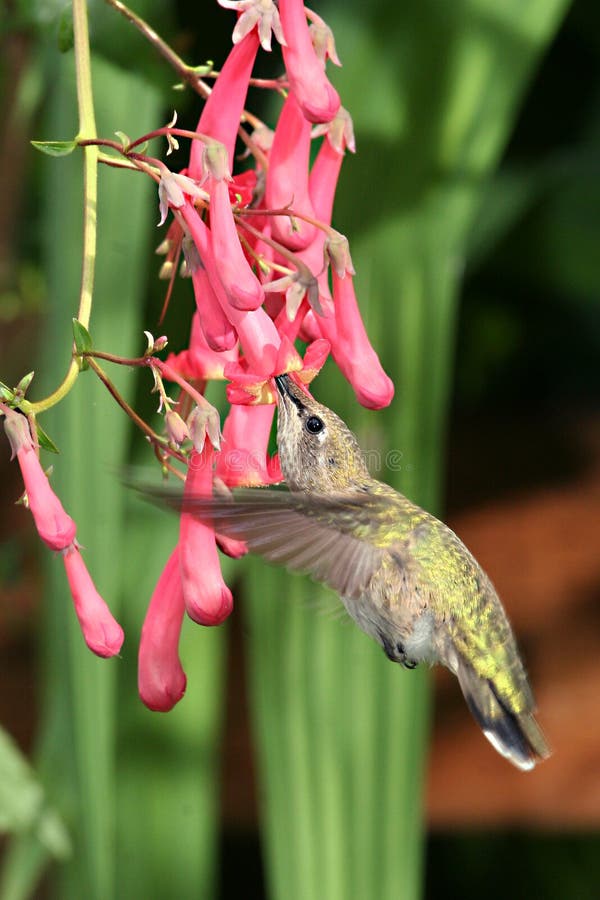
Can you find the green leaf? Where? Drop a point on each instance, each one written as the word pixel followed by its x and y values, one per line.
pixel 45 442
pixel 83 339
pixel 6 393
pixel 55 148
pixel 23 805
pixel 65 38
pixel 24 383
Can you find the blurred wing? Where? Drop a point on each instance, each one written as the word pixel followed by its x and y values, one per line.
pixel 305 533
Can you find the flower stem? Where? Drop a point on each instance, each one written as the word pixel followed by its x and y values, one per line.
pixel 154 438
pixel 87 130
pixel 188 74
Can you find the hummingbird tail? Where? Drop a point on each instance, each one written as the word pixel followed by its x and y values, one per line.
pixel 516 736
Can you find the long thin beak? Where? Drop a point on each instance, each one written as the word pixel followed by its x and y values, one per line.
pixel 288 390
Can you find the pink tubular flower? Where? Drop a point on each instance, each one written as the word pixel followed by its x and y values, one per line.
pixel 243 458
pixel 161 679
pixel 207 598
pixel 325 170
pixel 222 111
pixel 199 362
pixel 243 289
pixel 103 635
pixel 318 99
pixel 230 547
pixel 54 526
pixel 216 327
pixel 352 350
pixel 287 178
pixel 257 333
pixel 250 388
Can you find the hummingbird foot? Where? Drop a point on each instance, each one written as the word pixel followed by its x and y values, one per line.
pixel 394 650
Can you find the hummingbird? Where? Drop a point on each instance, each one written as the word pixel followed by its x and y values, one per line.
pixel 403 576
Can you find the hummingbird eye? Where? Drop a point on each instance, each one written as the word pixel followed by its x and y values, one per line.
pixel 314 425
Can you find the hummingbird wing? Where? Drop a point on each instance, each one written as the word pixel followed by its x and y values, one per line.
pixel 314 534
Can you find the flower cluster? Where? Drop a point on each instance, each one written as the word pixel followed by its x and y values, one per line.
pixel 267 270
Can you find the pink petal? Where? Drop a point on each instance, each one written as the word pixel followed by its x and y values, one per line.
pixel 218 331
pixel 257 333
pixel 287 178
pixel 318 99
pixel 54 526
pixel 352 350
pixel 243 458
pixel 208 600
pixel 323 180
pixel 231 547
pixel 220 117
pixel 101 632
pixel 161 679
pixel 200 362
pixel 243 289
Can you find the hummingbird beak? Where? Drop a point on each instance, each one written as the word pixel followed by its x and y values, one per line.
pixel 288 390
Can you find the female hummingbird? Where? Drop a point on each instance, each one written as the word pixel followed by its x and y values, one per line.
pixel 403 576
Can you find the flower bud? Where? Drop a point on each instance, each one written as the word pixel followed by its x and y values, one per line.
pixel 177 430
pixel 101 632
pixel 203 422
pixel 215 161
pixel 161 679
pixel 337 250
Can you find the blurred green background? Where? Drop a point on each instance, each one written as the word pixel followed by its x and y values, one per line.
pixel 471 208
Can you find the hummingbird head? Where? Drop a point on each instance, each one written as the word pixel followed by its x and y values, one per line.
pixel 317 451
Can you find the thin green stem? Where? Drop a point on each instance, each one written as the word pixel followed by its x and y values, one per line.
pixel 87 131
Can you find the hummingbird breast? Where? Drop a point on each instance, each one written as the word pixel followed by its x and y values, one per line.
pixel 394 610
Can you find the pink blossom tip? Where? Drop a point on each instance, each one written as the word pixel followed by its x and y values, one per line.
pixel 161 679
pixel 101 632
pixel 317 97
pixel 207 598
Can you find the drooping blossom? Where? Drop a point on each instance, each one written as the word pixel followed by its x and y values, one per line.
pixel 219 333
pixel 198 362
pixel 244 290
pixel 287 178
pixel 207 598
pixel 54 526
pixel 222 111
pixel 318 99
pixel 101 632
pixel 161 679
pixel 244 459
pixel 352 349
pixel 322 181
